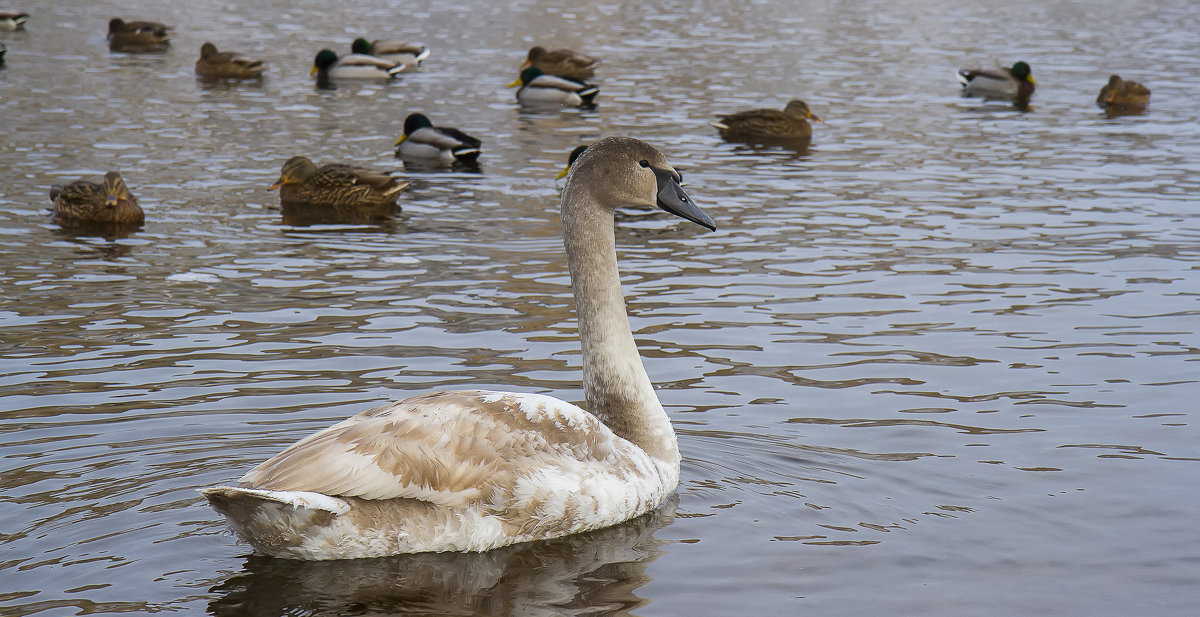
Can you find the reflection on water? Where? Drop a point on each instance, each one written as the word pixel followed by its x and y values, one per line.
pixel 597 573
pixel 948 347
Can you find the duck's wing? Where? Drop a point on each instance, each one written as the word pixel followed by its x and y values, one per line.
pixel 560 83
pixel 447 448
pixel 760 121
pixel 364 60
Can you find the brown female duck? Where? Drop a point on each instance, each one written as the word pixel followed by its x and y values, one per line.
pixel 769 124
pixel 84 202
pixel 215 64
pixel 137 35
pixel 562 63
pixel 1122 93
pixel 302 183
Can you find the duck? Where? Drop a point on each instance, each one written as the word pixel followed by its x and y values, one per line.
pixel 215 64
pixel 1120 93
pixel 335 185
pixel 424 142
pixel 769 124
pixel 3 50
pixel 562 63
pixel 538 88
pixel 1015 83
pixel 11 21
pixel 474 470
pixel 84 202
pixel 135 35
pixel 396 52
pixel 327 65
pixel 570 161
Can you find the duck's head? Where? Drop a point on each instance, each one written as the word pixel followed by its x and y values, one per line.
pixel 361 46
pixel 325 59
pixel 535 53
pixel 297 169
pixel 623 171
pixel 115 190
pixel 527 75
pixel 115 25
pixel 570 161
pixel 208 50
pixel 1021 72
pixel 412 124
pixel 796 107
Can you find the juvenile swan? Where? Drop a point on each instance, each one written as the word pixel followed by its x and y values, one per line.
pixel 474 470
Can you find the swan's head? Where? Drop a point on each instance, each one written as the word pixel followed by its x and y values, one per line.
pixel 622 171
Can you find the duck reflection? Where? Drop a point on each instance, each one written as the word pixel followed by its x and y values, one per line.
pixel 594 573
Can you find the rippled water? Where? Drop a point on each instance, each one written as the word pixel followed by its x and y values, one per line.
pixel 943 363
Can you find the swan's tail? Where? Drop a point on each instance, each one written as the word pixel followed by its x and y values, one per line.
pixel 277 523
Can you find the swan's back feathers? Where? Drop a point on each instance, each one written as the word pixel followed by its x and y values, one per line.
pixel 451 449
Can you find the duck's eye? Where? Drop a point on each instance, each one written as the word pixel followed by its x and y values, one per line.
pixel 644 163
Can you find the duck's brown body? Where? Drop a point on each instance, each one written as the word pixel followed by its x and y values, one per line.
pixel 1123 93
pixel 768 124
pixel 562 63
pixel 137 35
pixel 302 183
pixel 214 64
pixel 84 202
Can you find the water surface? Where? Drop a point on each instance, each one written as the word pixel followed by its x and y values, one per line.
pixel 944 362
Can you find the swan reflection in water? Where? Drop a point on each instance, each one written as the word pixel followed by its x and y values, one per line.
pixel 595 573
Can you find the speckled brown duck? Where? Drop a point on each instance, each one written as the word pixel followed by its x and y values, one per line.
pixel 302 183
pixel 137 35
pixel 84 202
pixel 562 63
pixel 1122 93
pixel 214 64
pixel 769 124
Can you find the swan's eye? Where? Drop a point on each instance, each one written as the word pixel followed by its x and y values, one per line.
pixel 644 163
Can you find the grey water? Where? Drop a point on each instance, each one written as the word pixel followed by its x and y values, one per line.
pixel 943 362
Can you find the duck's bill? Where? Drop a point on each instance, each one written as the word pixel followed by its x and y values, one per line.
pixel 563 174
pixel 313 71
pixel 111 200
pixel 514 84
pixel 401 140
pixel 673 199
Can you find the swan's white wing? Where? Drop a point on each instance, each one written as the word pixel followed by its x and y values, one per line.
pixel 447 448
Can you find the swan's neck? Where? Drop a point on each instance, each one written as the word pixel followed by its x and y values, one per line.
pixel 615 383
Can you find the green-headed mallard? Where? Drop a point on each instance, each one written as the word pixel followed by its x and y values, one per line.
pixel 137 35
pixel 215 64
pixel 1013 84
pixel 768 124
pixel 84 202
pixel 327 65
pixel 570 161
pixel 562 63
pixel 396 52
pixel 1121 93
pixel 537 88
pixel 473 470
pixel 10 21
pixel 304 184
pixel 422 142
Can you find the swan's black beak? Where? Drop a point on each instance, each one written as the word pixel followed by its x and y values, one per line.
pixel 672 199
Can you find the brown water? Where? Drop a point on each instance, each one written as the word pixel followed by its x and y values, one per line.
pixel 944 363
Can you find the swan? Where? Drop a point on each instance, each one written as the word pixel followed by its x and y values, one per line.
pixel 476 470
